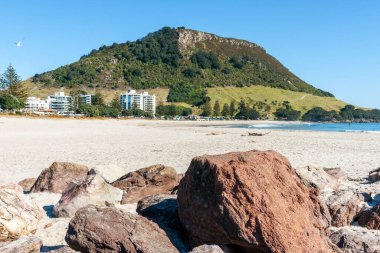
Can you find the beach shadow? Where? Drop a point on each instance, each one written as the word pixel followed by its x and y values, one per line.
pixel 49 211
pixel 50 248
pixel 165 215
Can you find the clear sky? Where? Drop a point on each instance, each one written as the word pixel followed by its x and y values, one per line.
pixel 332 44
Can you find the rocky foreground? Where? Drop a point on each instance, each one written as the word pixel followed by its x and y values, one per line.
pixel 236 202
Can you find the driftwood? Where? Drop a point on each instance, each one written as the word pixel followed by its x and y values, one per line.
pixel 255 134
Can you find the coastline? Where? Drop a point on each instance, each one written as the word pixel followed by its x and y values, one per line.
pixel 30 145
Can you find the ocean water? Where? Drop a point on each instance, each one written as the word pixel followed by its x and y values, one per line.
pixel 327 127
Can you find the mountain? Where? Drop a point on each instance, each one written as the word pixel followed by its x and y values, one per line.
pixel 169 57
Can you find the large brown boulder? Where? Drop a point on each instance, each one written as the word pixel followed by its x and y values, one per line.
pixel 97 229
pixel 370 218
pixel 93 190
pixel 19 214
pixel 253 200
pixel 23 245
pixel 58 176
pixel 156 179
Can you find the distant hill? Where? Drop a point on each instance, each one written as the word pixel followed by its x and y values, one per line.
pixel 172 56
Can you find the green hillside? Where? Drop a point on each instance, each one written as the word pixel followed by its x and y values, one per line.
pixel 170 57
pixel 275 97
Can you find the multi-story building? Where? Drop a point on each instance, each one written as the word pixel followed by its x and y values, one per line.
pixel 33 104
pixel 61 103
pixel 87 99
pixel 142 101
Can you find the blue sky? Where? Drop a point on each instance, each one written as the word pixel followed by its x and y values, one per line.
pixel 332 44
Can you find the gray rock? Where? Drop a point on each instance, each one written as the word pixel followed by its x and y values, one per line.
pixel 93 190
pixel 19 214
pixel 109 172
pixel 354 241
pixel 212 249
pixel 344 205
pixel 374 175
pixel 23 245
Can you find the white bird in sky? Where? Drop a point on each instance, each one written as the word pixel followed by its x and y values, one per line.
pixel 18 43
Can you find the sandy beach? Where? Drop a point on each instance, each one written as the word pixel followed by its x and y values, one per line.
pixel 30 145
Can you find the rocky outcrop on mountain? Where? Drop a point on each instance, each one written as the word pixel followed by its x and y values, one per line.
pixel 370 218
pixel 109 172
pixel 99 229
pixel 27 184
pixel 23 245
pixel 253 200
pixel 374 175
pixel 58 176
pixel 354 241
pixel 152 180
pixel 93 190
pixel 19 214
pixel 189 39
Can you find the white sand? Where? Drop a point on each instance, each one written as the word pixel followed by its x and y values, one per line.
pixel 29 145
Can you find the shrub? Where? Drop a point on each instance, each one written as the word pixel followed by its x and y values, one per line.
pixel 172 110
pixel 205 60
pixel 319 114
pixel 287 113
pixel 188 93
pixel 9 102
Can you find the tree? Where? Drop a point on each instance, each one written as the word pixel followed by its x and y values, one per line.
pixel 243 111
pixel 206 109
pixel 88 110
pixel 116 103
pixel 188 93
pixel 99 100
pixel 320 114
pixel 232 109
pixel 287 113
pixel 9 102
pixel 12 81
pixel 225 110
pixel 217 109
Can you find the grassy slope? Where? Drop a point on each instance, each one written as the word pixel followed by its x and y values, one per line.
pixel 299 100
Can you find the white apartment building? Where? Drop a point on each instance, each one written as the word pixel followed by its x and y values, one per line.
pixel 87 99
pixel 142 101
pixel 34 104
pixel 61 103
